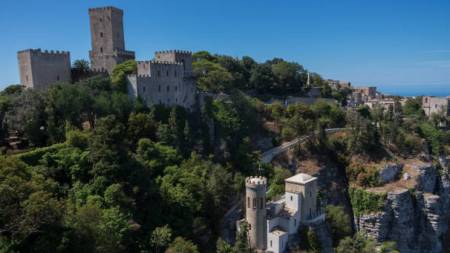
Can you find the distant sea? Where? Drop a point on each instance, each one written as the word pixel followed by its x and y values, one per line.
pixel 416 90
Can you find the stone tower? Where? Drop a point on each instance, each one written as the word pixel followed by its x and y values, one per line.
pixel 301 194
pixel 255 211
pixel 107 39
pixel 39 69
pixel 184 57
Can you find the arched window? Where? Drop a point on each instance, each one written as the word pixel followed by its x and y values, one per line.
pixel 254 203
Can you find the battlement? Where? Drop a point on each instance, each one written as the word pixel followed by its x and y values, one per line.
pixel 38 51
pixel 159 62
pixel 105 8
pixel 255 181
pixel 183 52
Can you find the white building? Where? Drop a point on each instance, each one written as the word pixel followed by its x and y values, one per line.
pixel 283 217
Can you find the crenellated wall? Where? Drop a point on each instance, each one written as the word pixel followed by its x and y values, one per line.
pixel 40 69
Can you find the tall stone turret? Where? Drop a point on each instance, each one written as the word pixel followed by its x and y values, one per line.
pixel 107 38
pixel 255 211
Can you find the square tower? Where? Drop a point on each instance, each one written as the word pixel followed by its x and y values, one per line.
pixel 40 69
pixel 107 39
pixel 301 194
pixel 184 57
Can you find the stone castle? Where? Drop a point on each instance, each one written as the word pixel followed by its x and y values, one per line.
pixel 40 68
pixel 273 226
pixel 166 80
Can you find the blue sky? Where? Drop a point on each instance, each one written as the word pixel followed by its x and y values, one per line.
pixel 401 46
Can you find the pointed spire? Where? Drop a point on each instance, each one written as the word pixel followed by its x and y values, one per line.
pixel 308 81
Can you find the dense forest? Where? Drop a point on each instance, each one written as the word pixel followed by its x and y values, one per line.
pixel 102 173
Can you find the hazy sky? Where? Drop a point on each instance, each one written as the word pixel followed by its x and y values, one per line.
pixel 390 44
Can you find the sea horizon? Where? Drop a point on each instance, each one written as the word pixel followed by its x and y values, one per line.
pixel 437 90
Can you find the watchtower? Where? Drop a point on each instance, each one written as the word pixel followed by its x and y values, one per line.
pixel 39 69
pixel 255 211
pixel 301 194
pixel 185 57
pixel 107 39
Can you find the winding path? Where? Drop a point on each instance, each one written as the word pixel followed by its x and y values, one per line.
pixel 268 155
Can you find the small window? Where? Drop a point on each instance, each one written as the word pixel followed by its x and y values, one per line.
pixel 261 203
pixel 101 50
pixel 176 88
pixel 292 198
pixel 168 88
pixel 254 203
pixel 270 243
pixel 175 73
pixel 248 202
pixel 159 73
pixel 57 78
pixel 143 88
pixel 101 35
pixel 167 73
pixel 168 101
pixel 101 19
pixel 159 88
pixel 26 78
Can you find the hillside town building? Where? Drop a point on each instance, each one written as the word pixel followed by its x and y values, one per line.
pixel 436 105
pixel 274 225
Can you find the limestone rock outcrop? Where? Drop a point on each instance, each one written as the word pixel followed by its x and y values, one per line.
pixel 416 219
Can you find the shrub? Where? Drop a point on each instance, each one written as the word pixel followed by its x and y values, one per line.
pixel 364 202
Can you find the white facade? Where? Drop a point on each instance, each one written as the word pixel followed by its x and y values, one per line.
pixel 284 216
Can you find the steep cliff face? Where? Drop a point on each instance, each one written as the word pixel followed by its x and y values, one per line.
pixel 416 219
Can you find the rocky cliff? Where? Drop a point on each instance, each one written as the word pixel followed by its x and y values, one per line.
pixel 417 219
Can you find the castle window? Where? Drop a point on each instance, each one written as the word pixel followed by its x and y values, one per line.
pixel 101 50
pixel 175 73
pixel 176 88
pixel 254 203
pixel 101 35
pixel 261 203
pixel 167 73
pixel 57 78
pixel 143 88
pixel 159 88
pixel 159 73
pixel 168 88
pixel 248 202
pixel 292 198
pixel 101 20
pixel 168 101
pixel 270 243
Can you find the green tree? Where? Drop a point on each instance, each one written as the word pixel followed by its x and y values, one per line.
pixel 224 247
pixel 80 70
pixel 160 238
pixel 211 76
pixel 242 244
pixel 120 72
pixel 181 245
pixel 339 222
pixel 358 244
